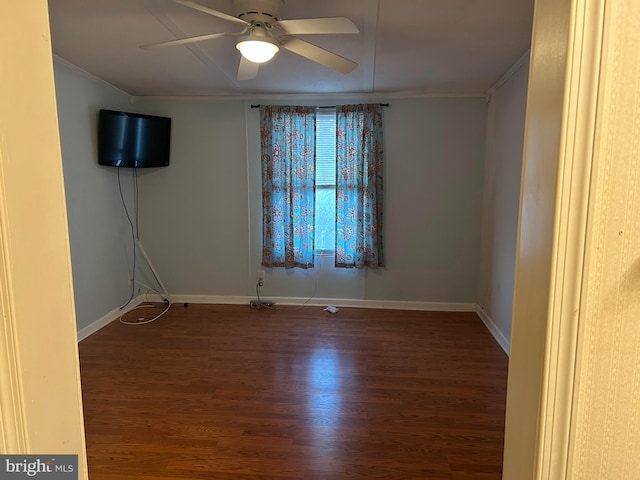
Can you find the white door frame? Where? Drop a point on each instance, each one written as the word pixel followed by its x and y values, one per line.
pixel 40 398
pixel 560 203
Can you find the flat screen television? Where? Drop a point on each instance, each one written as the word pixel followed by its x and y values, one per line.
pixel 133 140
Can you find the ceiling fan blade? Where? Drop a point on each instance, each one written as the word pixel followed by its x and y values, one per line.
pixel 306 26
pixel 210 11
pixel 319 55
pixel 247 70
pixel 182 41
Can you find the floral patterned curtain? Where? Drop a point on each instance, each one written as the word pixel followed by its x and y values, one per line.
pixel 359 194
pixel 287 137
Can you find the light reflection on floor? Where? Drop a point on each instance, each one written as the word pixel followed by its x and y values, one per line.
pixel 324 397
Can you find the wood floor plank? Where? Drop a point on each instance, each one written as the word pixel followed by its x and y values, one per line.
pixel 226 392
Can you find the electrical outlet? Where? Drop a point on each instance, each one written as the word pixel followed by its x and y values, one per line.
pixel 260 277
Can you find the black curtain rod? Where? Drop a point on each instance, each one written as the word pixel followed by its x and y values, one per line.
pixel 327 106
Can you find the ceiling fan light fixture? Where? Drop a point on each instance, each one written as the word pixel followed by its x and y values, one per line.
pixel 257 51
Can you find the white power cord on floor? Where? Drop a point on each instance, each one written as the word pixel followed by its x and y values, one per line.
pixel 146 304
pixel 143 320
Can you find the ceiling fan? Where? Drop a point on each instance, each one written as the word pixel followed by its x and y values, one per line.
pixel 264 32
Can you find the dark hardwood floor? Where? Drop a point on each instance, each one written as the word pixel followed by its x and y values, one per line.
pixel 226 392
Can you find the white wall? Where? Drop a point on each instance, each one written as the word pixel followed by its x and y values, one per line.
pixel 193 213
pixel 200 218
pixel 98 235
pixel 435 162
pixel 503 167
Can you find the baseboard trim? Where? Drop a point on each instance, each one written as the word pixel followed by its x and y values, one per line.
pixel 494 330
pixel 107 319
pixel 383 304
pixel 204 299
pixel 323 302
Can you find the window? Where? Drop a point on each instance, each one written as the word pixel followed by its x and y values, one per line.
pixel 322 174
pixel 325 227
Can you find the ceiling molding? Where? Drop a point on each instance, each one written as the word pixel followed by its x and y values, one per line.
pixel 84 73
pixel 377 97
pixel 289 96
pixel 524 59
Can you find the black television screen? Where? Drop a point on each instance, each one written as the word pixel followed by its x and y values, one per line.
pixel 133 140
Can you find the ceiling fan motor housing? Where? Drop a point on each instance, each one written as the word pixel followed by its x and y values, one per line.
pixel 263 12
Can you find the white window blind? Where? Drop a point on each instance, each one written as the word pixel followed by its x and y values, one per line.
pixel 325 218
pixel 325 146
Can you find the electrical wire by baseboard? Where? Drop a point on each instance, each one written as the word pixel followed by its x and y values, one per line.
pixel 260 305
pixel 146 304
pixel 143 320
